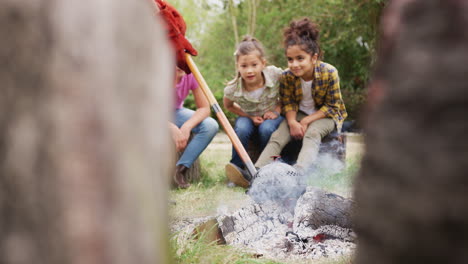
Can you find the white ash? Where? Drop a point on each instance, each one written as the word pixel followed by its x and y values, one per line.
pixel 313 229
pixel 325 241
pixel 255 223
pixel 329 248
pixel 269 229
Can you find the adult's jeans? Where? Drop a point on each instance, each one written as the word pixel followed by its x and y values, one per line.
pixel 246 129
pixel 203 134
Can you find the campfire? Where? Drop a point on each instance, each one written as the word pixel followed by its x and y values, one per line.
pixel 317 225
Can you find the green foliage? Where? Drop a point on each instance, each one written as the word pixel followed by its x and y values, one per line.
pixel 355 99
pixel 349 29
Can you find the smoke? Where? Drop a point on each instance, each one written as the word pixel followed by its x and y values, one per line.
pixel 278 182
pixel 284 184
pixel 331 173
pixel 325 165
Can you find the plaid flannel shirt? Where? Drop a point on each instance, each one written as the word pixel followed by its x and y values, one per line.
pixel 325 91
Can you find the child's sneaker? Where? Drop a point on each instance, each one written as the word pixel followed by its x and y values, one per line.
pixel 237 175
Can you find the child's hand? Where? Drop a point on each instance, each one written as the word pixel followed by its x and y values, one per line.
pixel 304 123
pixel 257 120
pixel 270 115
pixel 296 130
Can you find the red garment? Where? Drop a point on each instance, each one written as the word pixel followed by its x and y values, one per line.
pixel 176 30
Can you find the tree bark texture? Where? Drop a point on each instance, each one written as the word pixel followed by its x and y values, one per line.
pixel 83 158
pixel 412 191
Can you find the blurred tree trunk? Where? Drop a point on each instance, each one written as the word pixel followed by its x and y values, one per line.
pixel 252 17
pixel 84 95
pixel 232 13
pixel 412 190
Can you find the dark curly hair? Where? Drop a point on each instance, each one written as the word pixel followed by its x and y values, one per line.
pixel 304 33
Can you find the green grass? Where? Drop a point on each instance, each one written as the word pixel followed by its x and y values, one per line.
pixel 201 251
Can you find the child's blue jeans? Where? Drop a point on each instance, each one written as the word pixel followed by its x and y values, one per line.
pixel 203 134
pixel 245 130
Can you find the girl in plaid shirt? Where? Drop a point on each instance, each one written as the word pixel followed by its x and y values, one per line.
pixel 254 96
pixel 310 96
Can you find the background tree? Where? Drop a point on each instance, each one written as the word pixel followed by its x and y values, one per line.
pixel 82 102
pixel 412 189
pixel 232 13
pixel 349 31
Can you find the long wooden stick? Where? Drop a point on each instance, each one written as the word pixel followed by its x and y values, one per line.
pixel 221 117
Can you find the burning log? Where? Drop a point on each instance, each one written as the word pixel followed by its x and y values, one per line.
pixel 317 208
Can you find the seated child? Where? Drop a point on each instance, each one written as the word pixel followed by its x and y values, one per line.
pixel 310 96
pixel 254 96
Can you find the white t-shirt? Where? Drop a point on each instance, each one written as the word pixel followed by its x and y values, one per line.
pixel 255 94
pixel 307 104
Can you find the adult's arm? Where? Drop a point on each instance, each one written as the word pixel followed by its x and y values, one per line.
pixel 202 112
